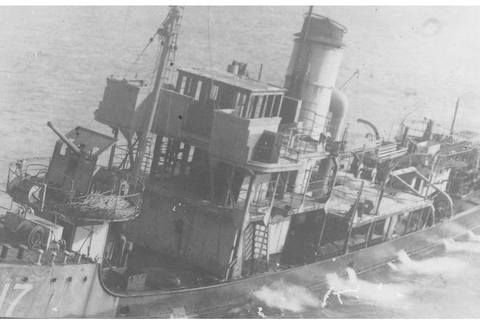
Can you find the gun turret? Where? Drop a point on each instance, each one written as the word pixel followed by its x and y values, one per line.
pixel 64 139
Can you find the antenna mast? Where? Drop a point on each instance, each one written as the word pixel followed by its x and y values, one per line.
pixel 168 34
pixel 454 116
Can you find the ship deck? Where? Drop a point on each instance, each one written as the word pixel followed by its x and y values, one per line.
pixel 34 256
pixel 291 202
pixel 393 201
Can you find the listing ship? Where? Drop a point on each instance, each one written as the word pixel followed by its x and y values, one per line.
pixel 225 184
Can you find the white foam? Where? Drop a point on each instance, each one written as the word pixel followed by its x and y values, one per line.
pixel 473 237
pixel 283 296
pixel 378 293
pixel 452 245
pixel 439 265
pixel 393 266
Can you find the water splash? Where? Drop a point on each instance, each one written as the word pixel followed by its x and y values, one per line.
pixel 289 297
pixel 452 245
pixel 386 294
pixel 473 237
pixel 438 265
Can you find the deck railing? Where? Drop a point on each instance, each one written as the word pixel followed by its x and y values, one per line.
pixel 122 200
pixel 310 195
pixel 305 139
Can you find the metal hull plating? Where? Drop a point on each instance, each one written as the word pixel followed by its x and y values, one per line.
pixel 205 301
pixel 60 291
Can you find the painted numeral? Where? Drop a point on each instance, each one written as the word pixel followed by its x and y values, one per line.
pixel 25 287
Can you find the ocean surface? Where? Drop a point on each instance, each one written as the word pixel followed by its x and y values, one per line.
pixel 412 62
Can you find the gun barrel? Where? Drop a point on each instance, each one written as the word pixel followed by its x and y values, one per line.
pixel 64 138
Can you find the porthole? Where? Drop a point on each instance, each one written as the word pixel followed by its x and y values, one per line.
pixel 124 311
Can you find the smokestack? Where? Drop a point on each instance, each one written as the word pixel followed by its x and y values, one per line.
pixel 313 68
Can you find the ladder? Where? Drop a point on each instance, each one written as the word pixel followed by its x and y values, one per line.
pixel 147 159
pixel 259 248
pixel 167 77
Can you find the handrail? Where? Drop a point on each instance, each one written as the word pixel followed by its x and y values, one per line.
pixel 288 197
pixel 55 197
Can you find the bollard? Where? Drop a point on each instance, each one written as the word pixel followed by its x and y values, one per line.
pixel 5 248
pixel 128 250
pixel 21 251
pixel 78 257
pixel 66 254
pixel 39 259
pixel 54 255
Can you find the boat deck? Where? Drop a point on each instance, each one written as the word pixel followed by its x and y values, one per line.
pixel 291 203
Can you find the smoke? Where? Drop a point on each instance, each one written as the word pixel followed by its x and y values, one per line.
pixel 386 294
pixel 285 296
pixel 439 265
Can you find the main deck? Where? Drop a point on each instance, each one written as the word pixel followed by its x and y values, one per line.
pixel 391 201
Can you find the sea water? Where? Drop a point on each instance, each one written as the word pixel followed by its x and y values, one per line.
pixel 412 63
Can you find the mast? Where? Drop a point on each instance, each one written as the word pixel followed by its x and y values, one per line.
pixel 167 32
pixel 454 116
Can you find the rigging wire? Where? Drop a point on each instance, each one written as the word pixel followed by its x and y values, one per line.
pixel 141 53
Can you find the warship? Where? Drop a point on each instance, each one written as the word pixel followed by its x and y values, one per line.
pixel 224 184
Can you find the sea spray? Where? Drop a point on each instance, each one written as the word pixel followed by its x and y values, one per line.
pixel 284 296
pixel 439 265
pixel 386 294
pixel 473 237
pixel 452 245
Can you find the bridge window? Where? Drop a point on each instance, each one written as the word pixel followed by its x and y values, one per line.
pixel 268 107
pixel 253 107
pixel 197 92
pixel 184 83
pixel 241 104
pixel 214 92
pixel 187 87
pixel 276 106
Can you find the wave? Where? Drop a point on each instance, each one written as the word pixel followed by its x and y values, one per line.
pixel 386 294
pixel 452 245
pixel 289 297
pixel 438 265
pixel 473 237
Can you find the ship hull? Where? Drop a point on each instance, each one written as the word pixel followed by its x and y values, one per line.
pixel 205 302
pixel 59 291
